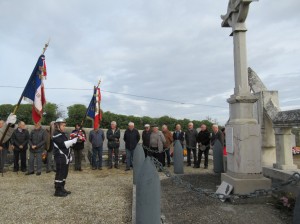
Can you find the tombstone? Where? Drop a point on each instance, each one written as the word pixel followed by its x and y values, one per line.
pixel 178 158
pixel 218 157
pixel 244 170
pixel 296 218
pixel 138 160
pixel 148 194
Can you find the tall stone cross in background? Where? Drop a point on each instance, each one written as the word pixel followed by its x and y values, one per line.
pixel 243 141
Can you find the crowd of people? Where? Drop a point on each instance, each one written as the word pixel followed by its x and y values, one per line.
pixel 55 143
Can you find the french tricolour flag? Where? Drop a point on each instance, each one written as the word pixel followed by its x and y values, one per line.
pixel 34 90
pixel 93 111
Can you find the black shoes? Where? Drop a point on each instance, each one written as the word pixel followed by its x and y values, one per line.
pixel 99 168
pixel 59 193
pixel 127 169
pixel 38 173
pixel 65 191
pixel 110 167
pixel 205 167
pixel 116 166
pixel 29 173
pixel 48 171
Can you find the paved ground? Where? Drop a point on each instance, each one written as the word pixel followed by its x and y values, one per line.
pixel 97 197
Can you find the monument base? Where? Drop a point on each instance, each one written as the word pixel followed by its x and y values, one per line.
pixel 285 167
pixel 246 184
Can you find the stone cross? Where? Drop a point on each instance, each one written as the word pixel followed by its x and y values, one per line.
pixel 244 170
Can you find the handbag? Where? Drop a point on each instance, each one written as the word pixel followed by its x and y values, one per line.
pixel 202 147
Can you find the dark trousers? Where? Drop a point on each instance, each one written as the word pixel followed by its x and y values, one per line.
pixel 189 150
pixel 110 154
pixel 62 170
pixel 3 155
pixel 205 152
pixel 160 156
pixel 78 158
pixel 20 153
pixel 145 151
pixel 167 154
pixel 97 152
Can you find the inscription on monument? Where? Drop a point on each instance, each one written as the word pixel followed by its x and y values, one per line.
pixel 229 140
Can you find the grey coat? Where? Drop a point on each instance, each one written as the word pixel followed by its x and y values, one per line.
pixel 191 138
pixel 38 137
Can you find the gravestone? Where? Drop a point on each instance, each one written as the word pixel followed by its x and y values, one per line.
pixel 178 158
pixel 138 160
pixel 218 157
pixel 244 170
pixel 148 194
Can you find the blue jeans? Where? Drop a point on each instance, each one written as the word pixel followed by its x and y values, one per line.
pixel 97 151
pixel 129 158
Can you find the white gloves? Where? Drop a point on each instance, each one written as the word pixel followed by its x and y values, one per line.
pixel 71 142
pixel 11 119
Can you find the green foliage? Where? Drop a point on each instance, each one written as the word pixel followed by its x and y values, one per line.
pixel 50 113
pixel 24 112
pixel 76 113
pixel 5 110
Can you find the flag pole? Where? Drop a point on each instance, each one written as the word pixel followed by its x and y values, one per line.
pixel 17 107
pixel 86 112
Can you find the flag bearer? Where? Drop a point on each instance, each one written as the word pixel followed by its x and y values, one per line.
pixel 62 156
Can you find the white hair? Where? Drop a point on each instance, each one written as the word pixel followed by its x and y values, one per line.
pixel 130 124
pixel 191 123
pixel 113 122
pixel 215 126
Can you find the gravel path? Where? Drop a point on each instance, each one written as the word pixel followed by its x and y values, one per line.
pixel 97 197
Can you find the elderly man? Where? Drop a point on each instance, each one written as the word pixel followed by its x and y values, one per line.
pixel 11 120
pixel 191 143
pixel 19 140
pixel 203 140
pixel 96 137
pixel 157 140
pixel 131 139
pixel 146 138
pixel 169 139
pixel 178 134
pixel 113 143
pixel 37 143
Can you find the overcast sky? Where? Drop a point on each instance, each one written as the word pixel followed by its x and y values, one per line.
pixel 167 49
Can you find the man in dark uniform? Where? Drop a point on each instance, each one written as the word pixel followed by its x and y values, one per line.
pixel 62 156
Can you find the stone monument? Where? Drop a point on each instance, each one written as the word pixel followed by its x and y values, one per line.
pixel 244 170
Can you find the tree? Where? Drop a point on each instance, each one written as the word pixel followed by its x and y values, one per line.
pixel 50 113
pixel 24 113
pixel 5 110
pixel 76 113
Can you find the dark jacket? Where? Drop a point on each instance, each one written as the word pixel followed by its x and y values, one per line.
pixel 20 138
pixel 178 136
pixel 131 138
pixel 217 136
pixel 79 144
pixel 113 138
pixel 146 138
pixel 191 138
pixel 38 137
pixel 60 150
pixel 204 137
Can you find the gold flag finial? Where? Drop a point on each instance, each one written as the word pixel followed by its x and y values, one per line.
pixel 46 46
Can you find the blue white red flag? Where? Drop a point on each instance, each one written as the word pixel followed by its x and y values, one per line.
pixel 93 111
pixel 34 90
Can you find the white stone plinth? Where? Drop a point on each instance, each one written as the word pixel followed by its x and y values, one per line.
pixel 284 156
